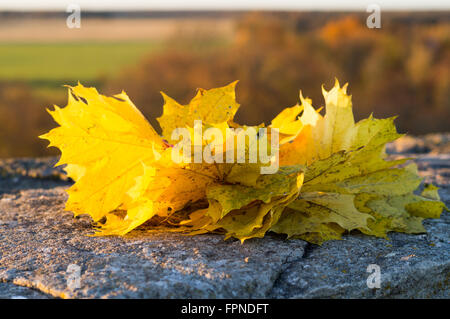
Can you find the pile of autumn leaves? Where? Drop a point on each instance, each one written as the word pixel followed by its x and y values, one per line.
pixel 333 175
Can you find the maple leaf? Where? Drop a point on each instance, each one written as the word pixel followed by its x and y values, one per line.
pixel 104 141
pixel 215 106
pixel 348 183
pixel 334 175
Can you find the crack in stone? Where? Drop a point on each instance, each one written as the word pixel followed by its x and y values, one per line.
pixel 308 249
pixel 286 265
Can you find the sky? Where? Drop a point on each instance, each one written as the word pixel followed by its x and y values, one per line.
pixel 117 5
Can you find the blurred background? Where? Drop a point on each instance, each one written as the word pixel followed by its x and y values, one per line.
pixel 274 48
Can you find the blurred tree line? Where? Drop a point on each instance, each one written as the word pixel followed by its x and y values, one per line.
pixel 401 69
pixel 22 119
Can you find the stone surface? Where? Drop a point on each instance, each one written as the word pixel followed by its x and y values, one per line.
pixel 41 247
pixel 430 143
pixel 12 291
pixel 410 267
pixel 38 243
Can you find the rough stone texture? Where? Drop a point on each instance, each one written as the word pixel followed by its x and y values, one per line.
pixel 411 267
pixel 38 242
pixel 32 167
pixel 12 291
pixel 430 143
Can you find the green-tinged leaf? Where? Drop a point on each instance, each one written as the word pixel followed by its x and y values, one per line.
pixel 233 197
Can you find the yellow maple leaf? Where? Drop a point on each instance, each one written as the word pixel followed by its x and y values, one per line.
pixel 215 106
pixel 334 175
pixel 104 140
pixel 348 183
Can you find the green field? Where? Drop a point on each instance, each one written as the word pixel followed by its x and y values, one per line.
pixel 45 67
pixel 56 61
